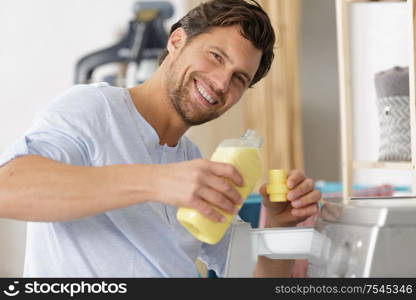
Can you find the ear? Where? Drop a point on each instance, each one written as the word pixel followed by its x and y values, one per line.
pixel 176 41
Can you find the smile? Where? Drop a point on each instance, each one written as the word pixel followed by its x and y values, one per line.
pixel 208 98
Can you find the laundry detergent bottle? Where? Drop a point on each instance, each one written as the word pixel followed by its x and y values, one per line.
pixel 244 154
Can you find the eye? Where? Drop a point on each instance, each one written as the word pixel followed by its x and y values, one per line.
pixel 216 56
pixel 241 79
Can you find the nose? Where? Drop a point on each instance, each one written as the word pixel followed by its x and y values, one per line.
pixel 221 81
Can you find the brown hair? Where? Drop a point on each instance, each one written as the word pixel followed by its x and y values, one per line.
pixel 253 20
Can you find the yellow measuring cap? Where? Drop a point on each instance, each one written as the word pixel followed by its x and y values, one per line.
pixel 277 188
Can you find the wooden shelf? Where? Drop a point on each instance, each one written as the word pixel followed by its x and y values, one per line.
pixel 343 42
pixel 349 1
pixel 392 165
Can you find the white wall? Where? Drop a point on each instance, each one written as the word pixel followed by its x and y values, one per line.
pixel 40 42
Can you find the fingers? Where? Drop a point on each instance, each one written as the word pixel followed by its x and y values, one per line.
pixel 225 188
pixel 301 189
pixel 310 198
pixel 305 212
pixel 218 191
pixel 263 190
pixel 294 178
pixel 219 200
pixel 227 171
pixel 306 206
pixel 208 211
pixel 303 197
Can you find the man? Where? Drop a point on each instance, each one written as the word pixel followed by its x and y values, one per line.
pixel 101 172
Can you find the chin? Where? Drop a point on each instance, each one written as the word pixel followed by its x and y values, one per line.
pixel 193 121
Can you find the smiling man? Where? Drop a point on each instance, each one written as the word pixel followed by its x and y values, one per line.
pixel 102 171
pixel 210 71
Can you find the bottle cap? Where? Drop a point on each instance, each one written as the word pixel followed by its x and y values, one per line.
pixel 253 138
pixel 277 188
pixel 277 176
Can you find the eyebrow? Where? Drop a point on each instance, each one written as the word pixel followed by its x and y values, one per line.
pixel 248 78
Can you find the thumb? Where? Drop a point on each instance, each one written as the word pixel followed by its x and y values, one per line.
pixel 275 206
pixel 263 191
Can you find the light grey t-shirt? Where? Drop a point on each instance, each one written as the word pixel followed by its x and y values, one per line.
pixel 98 125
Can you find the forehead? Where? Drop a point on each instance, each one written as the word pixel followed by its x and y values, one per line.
pixel 240 50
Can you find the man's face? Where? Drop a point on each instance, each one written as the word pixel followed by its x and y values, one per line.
pixel 210 73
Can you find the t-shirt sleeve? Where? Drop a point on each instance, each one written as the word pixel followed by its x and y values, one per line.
pixel 70 130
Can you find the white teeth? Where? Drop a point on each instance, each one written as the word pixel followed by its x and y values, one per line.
pixel 205 94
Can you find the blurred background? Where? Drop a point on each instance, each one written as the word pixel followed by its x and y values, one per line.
pixel 296 108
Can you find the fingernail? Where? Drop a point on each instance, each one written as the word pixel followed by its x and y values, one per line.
pixel 290 196
pixel 296 203
pixel 223 219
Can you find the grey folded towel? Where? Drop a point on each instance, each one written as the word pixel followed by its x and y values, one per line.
pixel 392 82
pixel 392 89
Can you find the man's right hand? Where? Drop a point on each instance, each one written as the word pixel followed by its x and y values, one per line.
pixel 200 184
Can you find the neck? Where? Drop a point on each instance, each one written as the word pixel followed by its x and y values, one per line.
pixel 153 103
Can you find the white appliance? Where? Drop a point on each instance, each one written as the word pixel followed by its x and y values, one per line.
pixel 369 237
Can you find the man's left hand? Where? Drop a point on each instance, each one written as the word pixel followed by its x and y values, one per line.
pixel 302 202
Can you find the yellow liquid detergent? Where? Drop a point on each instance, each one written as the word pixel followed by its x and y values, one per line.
pixel 245 157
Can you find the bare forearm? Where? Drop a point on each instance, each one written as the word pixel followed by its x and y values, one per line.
pixel 267 267
pixel 34 188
